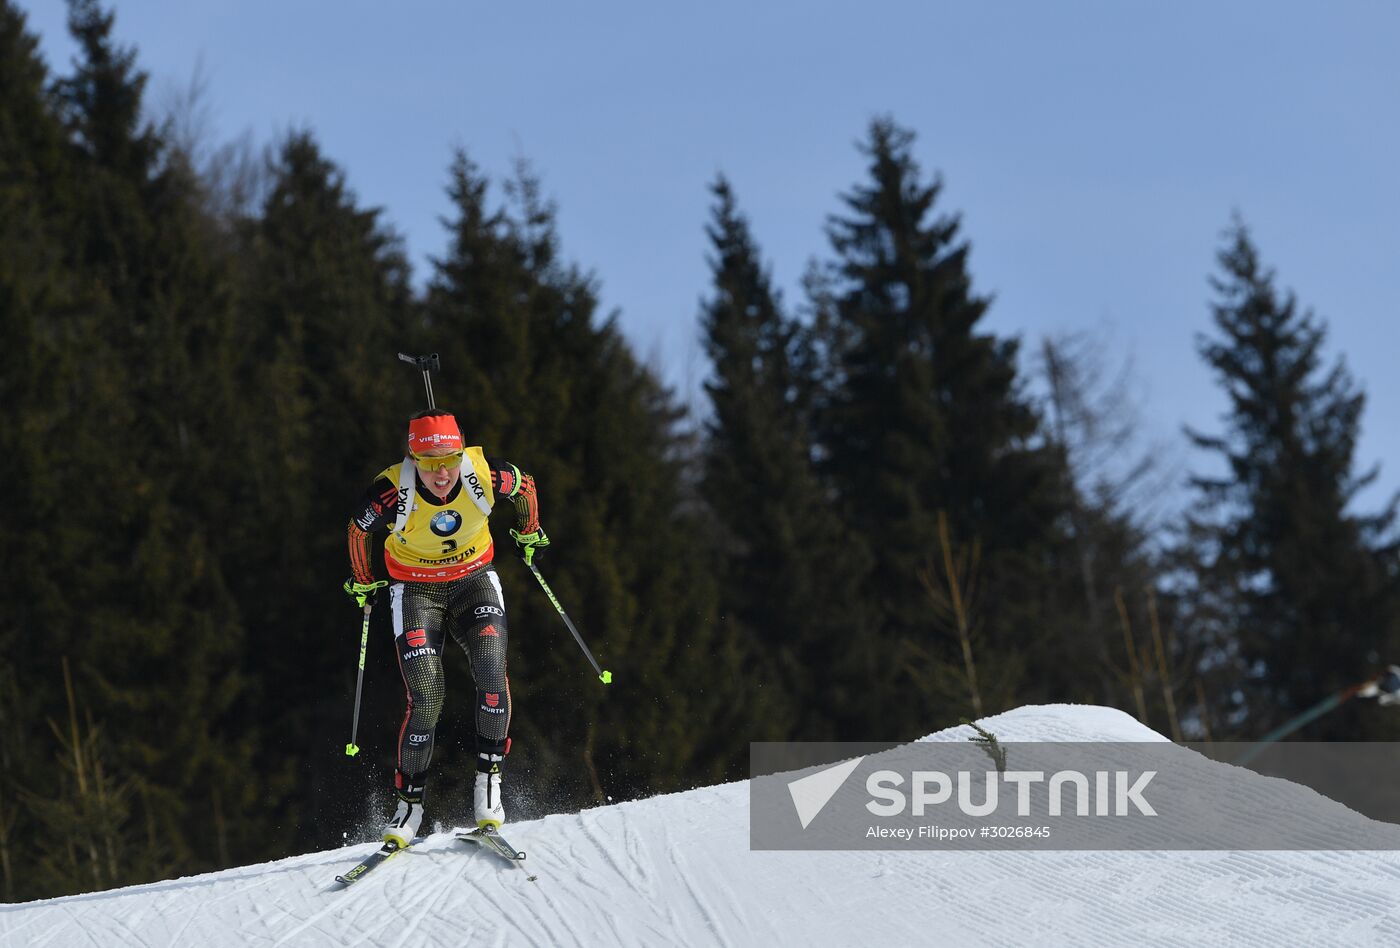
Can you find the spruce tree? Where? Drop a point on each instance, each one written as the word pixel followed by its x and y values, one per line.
pixel 926 417
pixel 37 295
pixel 119 313
pixel 788 571
pixel 1293 586
pixel 324 306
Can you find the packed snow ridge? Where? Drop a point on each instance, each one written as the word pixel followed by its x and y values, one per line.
pixel 678 869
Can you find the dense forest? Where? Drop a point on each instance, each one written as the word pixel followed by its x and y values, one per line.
pixel 886 519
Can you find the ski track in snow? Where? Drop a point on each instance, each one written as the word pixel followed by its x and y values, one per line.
pixel 677 869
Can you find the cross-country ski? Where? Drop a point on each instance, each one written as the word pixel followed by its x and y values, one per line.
pixel 373 861
pixel 492 841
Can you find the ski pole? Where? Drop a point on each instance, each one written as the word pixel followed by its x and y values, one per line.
pixel 352 748
pixel 604 676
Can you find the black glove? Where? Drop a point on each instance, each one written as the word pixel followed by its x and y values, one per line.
pixel 529 545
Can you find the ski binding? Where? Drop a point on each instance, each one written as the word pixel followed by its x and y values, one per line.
pixel 373 861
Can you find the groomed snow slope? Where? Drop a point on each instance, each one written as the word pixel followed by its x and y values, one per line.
pixel 678 869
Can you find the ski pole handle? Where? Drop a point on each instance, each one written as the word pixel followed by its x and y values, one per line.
pixel 604 676
pixel 352 748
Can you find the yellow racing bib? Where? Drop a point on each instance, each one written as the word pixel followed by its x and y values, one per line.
pixel 437 543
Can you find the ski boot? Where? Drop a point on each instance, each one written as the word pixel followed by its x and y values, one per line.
pixel 486 795
pixel 403 827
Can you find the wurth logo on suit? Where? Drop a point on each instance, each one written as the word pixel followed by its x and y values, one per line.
pixel 417 640
pixel 490 703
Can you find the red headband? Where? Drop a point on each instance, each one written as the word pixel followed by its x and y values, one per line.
pixel 434 431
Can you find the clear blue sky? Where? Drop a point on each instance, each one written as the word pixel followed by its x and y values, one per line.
pixel 1095 150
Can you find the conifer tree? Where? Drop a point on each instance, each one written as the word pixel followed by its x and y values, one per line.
pixel 120 319
pixel 788 571
pixel 927 416
pixel 35 288
pixel 324 308
pixel 1292 584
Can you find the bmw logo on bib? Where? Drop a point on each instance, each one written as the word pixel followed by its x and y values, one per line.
pixel 446 522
